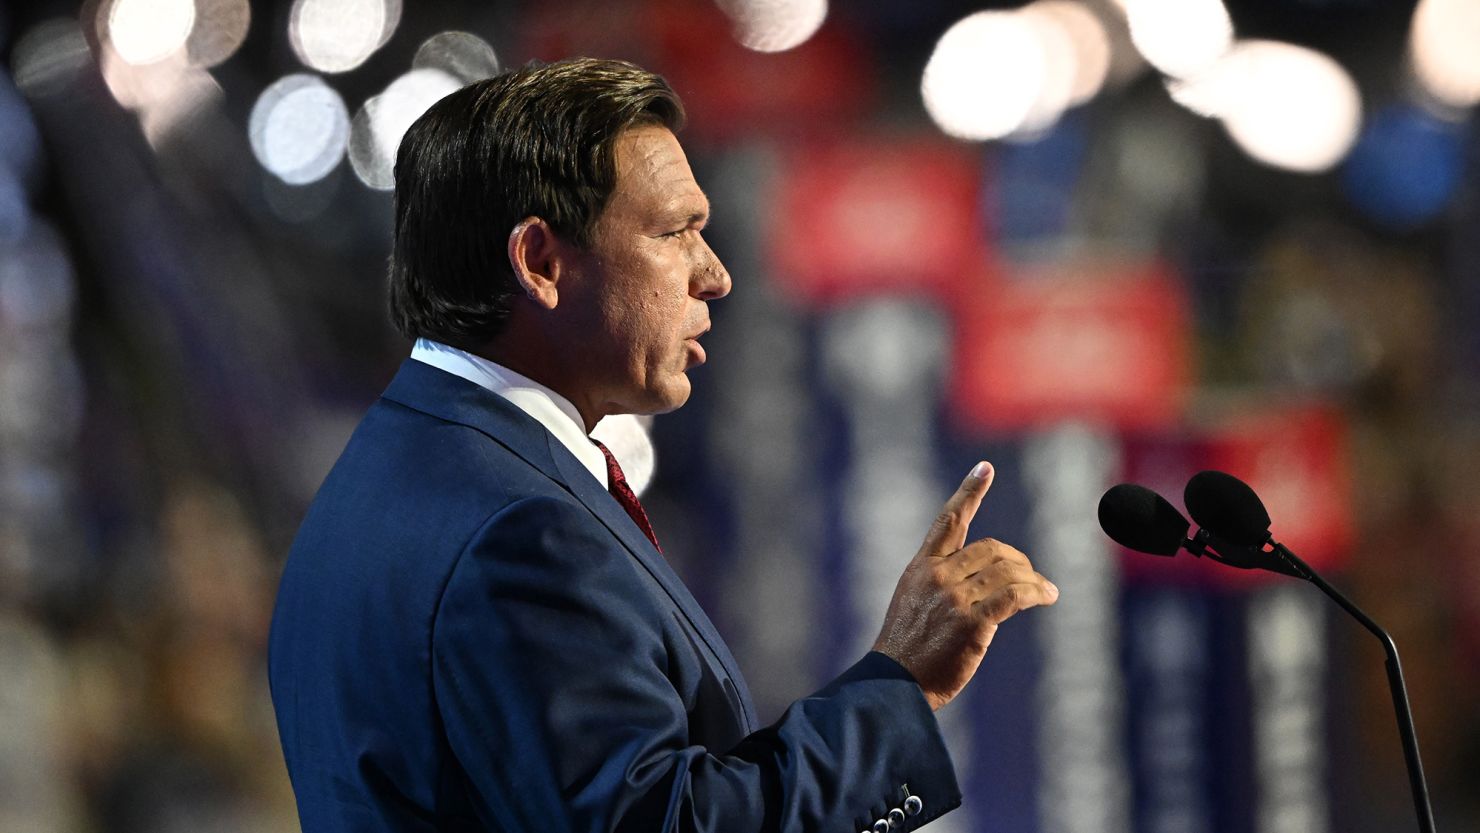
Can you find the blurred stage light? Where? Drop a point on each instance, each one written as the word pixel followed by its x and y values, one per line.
pixel 985 75
pixel 191 90
pixel 376 132
pixel 1444 46
pixel 162 93
pixel 1012 74
pixel 299 129
pixel 220 28
pixel 774 25
pixel 339 35
pixel 1406 166
pixel 1179 37
pixel 133 85
pixel 1060 66
pixel 627 437
pixel 1091 43
pixel 1285 105
pixel 462 55
pixel 146 31
pixel 48 57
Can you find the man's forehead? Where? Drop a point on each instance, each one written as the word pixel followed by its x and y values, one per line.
pixel 654 151
pixel 651 155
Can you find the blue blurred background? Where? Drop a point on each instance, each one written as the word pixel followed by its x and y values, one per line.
pixel 1089 240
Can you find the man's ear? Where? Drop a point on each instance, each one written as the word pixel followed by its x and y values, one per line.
pixel 539 259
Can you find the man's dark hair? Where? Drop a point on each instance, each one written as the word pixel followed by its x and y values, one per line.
pixel 537 141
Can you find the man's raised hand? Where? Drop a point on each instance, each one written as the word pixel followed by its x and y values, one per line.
pixel 953 595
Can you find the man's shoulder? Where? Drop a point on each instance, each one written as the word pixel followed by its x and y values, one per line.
pixel 418 468
pixel 393 516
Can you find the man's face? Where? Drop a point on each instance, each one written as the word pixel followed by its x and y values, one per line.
pixel 638 297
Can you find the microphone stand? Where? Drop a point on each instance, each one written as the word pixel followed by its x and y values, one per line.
pixel 1399 690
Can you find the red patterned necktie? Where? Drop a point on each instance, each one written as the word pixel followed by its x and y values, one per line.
pixel 625 496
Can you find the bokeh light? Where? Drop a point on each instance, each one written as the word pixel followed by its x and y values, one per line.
pixel 220 28
pixel 774 25
pixel 135 86
pixel 462 55
pixel 1012 74
pixel 1059 70
pixel 48 57
pixel 627 437
pixel 1286 105
pixel 1444 44
pixel 163 93
pixel 299 129
pixel 985 75
pixel 1091 44
pixel 1406 166
pixel 339 35
pixel 375 133
pixel 1179 37
pixel 146 31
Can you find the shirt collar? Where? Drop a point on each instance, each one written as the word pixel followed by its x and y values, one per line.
pixel 547 407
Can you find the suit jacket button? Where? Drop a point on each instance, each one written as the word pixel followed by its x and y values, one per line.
pixel 913 805
pixel 881 826
pixel 896 818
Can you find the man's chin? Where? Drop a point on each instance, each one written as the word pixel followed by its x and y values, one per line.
pixel 670 397
pixel 674 396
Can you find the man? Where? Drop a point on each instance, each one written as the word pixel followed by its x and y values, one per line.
pixel 476 629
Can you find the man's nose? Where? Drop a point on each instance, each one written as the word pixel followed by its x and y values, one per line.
pixel 710 280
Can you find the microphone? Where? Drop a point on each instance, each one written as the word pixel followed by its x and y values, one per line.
pixel 1227 509
pixel 1139 519
pixel 1142 520
pixel 1227 506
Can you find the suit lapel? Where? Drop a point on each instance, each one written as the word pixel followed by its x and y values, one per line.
pixel 606 508
pixel 443 395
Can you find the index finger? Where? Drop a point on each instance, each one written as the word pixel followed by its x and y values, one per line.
pixel 948 533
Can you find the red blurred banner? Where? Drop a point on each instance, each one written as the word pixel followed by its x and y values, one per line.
pixel 822 86
pixel 1073 341
pixel 1294 457
pixel 885 214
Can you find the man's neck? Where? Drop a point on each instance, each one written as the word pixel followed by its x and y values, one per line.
pixel 536 365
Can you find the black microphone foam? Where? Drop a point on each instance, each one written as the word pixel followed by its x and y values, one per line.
pixel 1227 507
pixel 1137 518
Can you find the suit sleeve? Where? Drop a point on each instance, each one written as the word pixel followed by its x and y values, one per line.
pixel 550 673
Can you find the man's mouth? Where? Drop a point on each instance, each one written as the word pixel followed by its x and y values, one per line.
pixel 696 348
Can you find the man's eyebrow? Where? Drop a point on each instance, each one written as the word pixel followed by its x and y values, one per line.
pixel 690 214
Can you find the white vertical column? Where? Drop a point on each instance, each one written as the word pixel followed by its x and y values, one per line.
pixel 761 440
pixel 765 418
pixel 1084 780
pixel 885 359
pixel 1287 666
pixel 1170 663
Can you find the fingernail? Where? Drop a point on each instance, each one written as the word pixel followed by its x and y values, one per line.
pixel 1053 589
pixel 981 470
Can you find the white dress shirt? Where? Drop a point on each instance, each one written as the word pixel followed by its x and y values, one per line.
pixel 549 408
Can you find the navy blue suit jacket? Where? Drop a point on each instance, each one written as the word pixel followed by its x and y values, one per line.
pixel 471 634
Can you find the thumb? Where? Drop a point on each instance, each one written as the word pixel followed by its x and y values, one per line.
pixel 948 533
